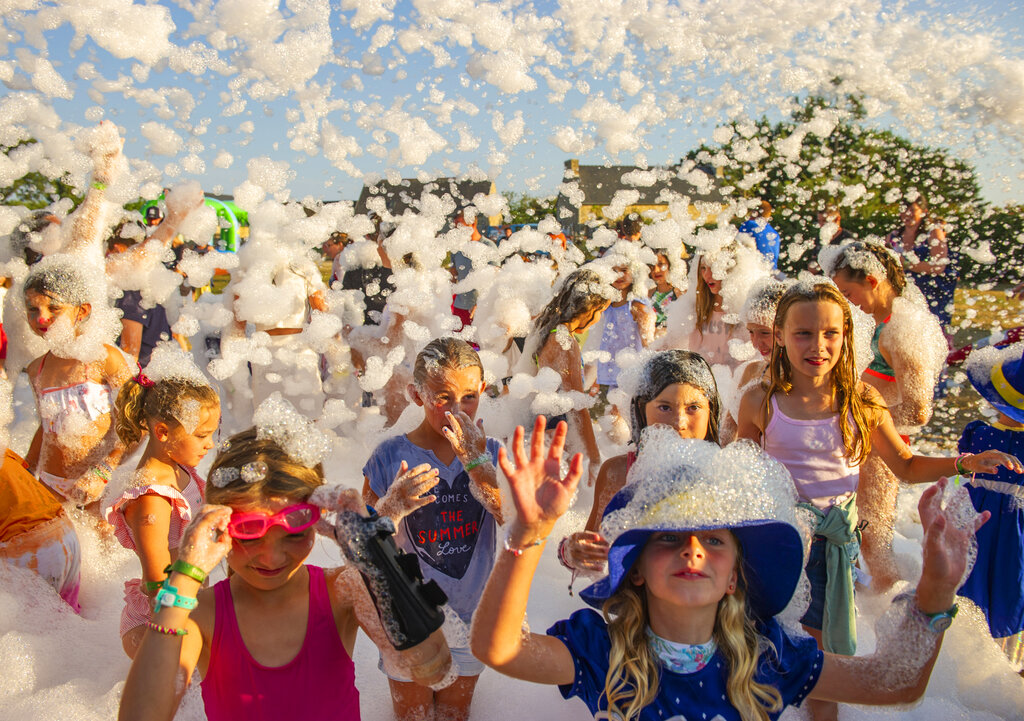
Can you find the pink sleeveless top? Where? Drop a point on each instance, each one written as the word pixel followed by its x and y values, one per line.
pixel 812 451
pixel 318 684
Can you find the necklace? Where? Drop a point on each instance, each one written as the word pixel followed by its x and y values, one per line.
pixel 681 657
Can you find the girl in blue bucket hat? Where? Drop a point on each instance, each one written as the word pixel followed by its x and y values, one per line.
pixel 705 568
pixel 996 583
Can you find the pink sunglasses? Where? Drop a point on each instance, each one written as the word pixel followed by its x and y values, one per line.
pixel 294 519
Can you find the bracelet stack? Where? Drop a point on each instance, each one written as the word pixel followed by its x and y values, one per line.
pixel 959 464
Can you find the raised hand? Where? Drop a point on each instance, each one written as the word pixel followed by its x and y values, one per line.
pixel 405 494
pixel 947 539
pixel 990 462
pixel 467 438
pixel 206 539
pixel 540 494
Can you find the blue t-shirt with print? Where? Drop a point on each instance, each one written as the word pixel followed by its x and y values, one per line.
pixel 792 667
pixel 454 537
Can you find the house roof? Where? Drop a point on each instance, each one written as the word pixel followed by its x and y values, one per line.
pixel 599 183
pixel 406 194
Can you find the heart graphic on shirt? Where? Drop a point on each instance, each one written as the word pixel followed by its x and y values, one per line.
pixel 446 531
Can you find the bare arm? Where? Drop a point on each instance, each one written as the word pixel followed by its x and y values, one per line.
pixel 568 363
pixel 540 496
pixel 470 445
pixel 899 670
pixel 32 457
pixel 149 518
pixel 938 255
pixel 164 663
pixel 645 321
pixel 915 406
pixel 131 337
pixel 751 423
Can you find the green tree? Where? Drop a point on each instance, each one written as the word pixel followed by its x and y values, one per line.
pixel 35 190
pixel 825 155
pixel 524 208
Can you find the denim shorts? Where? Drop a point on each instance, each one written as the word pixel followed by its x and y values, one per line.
pixel 817 575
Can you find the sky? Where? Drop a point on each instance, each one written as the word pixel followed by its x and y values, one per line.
pixel 324 98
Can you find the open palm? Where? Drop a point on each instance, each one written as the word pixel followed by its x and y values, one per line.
pixel 540 494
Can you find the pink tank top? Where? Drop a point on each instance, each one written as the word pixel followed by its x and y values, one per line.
pixel 812 451
pixel 317 685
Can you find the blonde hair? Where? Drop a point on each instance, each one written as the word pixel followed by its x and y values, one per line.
pixel 704 300
pixel 848 398
pixel 284 477
pixel 633 671
pixel 137 405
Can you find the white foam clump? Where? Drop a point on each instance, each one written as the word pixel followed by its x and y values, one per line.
pixel 200 267
pixel 637 258
pixel 276 419
pixel 168 361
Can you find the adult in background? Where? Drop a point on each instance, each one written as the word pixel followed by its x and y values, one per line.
pixel 921 242
pixel 464 304
pixel 758 226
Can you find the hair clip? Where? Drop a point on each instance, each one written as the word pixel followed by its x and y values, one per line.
pixel 255 471
pixel 141 378
pixel 223 476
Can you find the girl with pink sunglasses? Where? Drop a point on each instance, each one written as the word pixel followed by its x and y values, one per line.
pixel 275 639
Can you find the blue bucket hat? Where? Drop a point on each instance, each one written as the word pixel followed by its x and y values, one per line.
pixel 765 525
pixel 998 375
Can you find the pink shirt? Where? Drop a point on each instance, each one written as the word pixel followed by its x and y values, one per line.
pixel 317 685
pixel 812 451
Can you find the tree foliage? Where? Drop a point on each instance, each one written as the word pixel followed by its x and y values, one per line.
pixel 826 155
pixel 34 189
pixel 525 208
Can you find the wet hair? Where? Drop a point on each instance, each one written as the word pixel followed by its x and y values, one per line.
pixel 444 354
pixel 128 232
pixel 850 401
pixel 582 292
pixel 284 478
pixel 847 262
pixel 704 301
pixel 167 400
pixel 21 236
pixel 60 280
pixel 631 225
pixel 762 302
pixel 631 683
pixel 666 368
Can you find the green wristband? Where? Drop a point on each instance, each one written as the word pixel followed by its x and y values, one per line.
pixel 186 569
pixel 98 185
pixel 483 458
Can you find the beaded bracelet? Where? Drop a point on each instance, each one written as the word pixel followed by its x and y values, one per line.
pixel 517 552
pixel 959 466
pixel 166 630
pixel 483 458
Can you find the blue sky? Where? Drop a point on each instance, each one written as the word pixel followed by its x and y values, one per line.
pixel 408 83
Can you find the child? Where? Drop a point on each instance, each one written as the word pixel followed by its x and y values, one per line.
pixel 705 551
pixel 554 343
pixel 909 351
pixel 706 325
pixel 664 292
pixel 996 583
pixel 76 447
pixel 453 530
pixel 627 323
pixel 180 411
pixel 275 639
pixel 818 420
pixel 758 316
pixel 673 388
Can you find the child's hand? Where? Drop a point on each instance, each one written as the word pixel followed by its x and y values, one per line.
pixel 990 461
pixel 947 538
pixel 586 551
pixel 206 539
pixel 540 493
pixel 336 499
pixel 406 492
pixel 468 439
pixel 429 662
